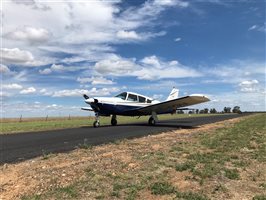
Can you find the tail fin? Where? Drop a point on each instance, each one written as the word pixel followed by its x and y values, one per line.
pixel 173 94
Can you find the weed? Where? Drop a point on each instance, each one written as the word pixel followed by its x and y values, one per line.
pixel 85 145
pixel 232 174
pixel 190 196
pixel 69 191
pixel 162 188
pixel 100 197
pixel 133 190
pixel 90 172
pixel 262 185
pixel 34 197
pixel 185 166
pixel 46 155
pixel 116 189
pixel 259 197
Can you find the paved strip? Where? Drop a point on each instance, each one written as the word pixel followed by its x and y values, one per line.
pixel 23 146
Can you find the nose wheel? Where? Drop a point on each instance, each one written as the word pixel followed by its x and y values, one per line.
pixel 96 123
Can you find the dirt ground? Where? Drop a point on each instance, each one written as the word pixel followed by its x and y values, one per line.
pixel 38 175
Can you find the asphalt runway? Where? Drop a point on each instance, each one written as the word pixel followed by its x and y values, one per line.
pixel 23 146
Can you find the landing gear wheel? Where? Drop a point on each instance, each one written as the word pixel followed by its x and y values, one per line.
pixel 113 122
pixel 96 124
pixel 152 121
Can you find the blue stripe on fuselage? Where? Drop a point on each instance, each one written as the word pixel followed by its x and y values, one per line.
pixel 110 109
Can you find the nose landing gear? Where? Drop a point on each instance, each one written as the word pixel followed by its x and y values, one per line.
pixel 113 120
pixel 96 123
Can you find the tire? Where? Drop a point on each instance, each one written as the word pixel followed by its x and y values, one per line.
pixel 96 124
pixel 152 121
pixel 113 122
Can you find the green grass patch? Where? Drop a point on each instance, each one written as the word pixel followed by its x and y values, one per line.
pixel 162 188
pixel 232 174
pixel 259 197
pixel 40 124
pixel 185 166
pixel 190 196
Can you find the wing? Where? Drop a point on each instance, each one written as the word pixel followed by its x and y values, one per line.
pixel 172 105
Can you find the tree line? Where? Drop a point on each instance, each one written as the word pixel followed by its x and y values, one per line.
pixel 236 109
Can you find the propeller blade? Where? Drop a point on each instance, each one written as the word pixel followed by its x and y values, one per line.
pixel 85 96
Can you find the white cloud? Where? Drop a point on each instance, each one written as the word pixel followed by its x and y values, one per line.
pixel 29 90
pixel 116 66
pixel 249 86
pixel 79 92
pixel 16 56
pixel 261 28
pixel 45 71
pixel 4 69
pixel 236 71
pixel 178 39
pixel 29 34
pixel 12 86
pixel 19 57
pixel 151 60
pixel 95 80
pixel 171 3
pixel 128 35
pixel 149 68
pixel 252 27
pixel 67 23
pixel 60 68
pixel 45 92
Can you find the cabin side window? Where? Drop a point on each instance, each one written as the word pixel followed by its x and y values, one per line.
pixel 132 97
pixel 122 95
pixel 148 101
pixel 141 99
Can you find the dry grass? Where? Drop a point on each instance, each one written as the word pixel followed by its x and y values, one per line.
pixel 165 166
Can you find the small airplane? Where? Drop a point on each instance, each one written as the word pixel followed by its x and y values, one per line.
pixel 133 104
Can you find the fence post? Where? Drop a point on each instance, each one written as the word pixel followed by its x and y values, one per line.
pixel 20 119
pixel 46 118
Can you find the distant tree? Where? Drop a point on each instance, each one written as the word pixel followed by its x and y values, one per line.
pixel 201 111
pixel 227 109
pixel 206 110
pixel 191 112
pixel 213 110
pixel 197 111
pixel 236 109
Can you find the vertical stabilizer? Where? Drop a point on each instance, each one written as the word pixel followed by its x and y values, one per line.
pixel 173 94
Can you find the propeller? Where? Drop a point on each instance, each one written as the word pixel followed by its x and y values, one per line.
pixel 86 96
pixel 89 100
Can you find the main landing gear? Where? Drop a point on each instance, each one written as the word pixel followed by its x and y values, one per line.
pixel 153 119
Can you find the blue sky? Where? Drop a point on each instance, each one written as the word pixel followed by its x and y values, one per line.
pixel 54 51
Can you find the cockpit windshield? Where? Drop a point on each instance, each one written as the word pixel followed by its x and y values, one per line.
pixel 123 95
